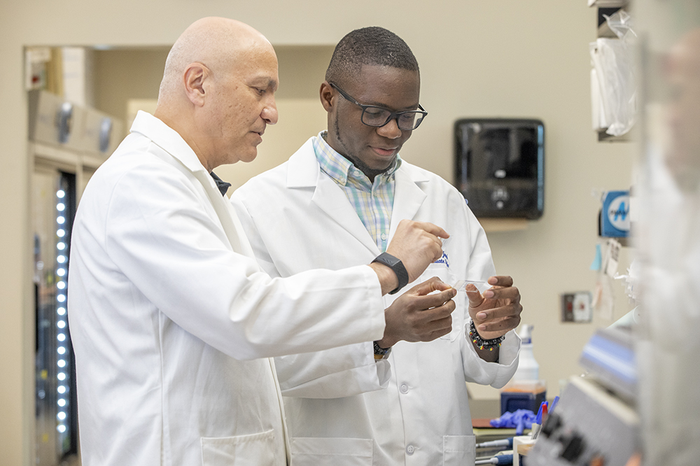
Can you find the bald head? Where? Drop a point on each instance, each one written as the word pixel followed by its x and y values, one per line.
pixel 218 90
pixel 215 42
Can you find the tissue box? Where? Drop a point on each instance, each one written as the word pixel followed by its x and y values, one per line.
pixel 513 401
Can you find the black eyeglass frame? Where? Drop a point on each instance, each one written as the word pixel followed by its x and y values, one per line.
pixel 392 115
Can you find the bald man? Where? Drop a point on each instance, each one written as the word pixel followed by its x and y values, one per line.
pixel 171 319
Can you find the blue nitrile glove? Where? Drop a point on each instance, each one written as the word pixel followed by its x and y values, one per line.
pixel 521 419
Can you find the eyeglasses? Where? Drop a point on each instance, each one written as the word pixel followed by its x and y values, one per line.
pixel 407 120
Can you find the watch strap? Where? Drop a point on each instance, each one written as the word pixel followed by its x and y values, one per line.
pixel 397 266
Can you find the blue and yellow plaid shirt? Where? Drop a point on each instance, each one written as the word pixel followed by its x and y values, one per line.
pixel 373 202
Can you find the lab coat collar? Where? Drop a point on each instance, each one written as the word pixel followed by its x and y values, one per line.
pixel 304 169
pixel 167 139
pixel 408 194
pixel 304 172
pixel 171 142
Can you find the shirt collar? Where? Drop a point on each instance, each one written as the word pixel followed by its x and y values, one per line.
pixel 340 169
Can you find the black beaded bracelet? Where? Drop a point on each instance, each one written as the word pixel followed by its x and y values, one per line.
pixel 480 342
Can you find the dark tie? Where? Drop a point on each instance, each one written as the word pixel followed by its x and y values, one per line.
pixel 221 184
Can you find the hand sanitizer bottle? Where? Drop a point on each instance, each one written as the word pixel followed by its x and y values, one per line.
pixel 528 369
pixel 525 390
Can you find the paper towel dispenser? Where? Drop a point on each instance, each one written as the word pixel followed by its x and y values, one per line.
pixel 499 166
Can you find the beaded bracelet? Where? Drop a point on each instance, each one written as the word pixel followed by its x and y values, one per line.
pixel 381 353
pixel 480 342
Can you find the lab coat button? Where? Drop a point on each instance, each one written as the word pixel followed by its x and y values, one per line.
pixel 410 449
pixel 403 388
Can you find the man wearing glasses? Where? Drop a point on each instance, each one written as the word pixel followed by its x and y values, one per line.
pixel 335 203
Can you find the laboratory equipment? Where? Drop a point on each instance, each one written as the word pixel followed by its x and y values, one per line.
pixel 595 421
pixel 505 459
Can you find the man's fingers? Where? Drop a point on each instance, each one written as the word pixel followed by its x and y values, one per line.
pixel 474 295
pixel 501 280
pixel 429 286
pixel 439 311
pixel 508 310
pixel 436 299
pixel 436 329
pixel 430 294
pixel 510 293
pixel 433 229
pixel 436 233
pixel 501 325
pixel 417 245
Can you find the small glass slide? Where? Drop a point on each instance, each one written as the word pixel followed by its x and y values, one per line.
pixel 463 285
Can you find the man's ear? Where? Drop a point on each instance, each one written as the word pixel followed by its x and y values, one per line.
pixel 194 79
pixel 326 93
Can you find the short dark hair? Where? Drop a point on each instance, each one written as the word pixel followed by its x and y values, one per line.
pixel 369 46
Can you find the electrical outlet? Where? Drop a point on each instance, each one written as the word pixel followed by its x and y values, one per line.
pixel 576 307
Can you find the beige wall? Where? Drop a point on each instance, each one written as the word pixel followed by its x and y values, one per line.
pixel 507 58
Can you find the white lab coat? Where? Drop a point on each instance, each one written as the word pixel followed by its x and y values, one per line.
pixel 297 218
pixel 168 309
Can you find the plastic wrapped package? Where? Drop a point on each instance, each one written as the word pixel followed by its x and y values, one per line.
pixel 614 80
pixel 614 71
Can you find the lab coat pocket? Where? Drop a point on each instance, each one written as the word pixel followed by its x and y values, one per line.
pixel 458 450
pixel 245 450
pixel 307 451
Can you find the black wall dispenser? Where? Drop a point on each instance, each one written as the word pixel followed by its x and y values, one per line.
pixel 499 166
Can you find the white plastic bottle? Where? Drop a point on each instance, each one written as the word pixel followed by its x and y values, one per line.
pixel 525 390
pixel 528 369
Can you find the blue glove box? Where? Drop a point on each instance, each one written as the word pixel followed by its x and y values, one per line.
pixel 513 401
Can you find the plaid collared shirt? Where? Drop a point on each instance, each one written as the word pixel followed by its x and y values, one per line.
pixel 373 202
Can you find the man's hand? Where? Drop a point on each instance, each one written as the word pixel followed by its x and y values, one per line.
pixel 417 315
pixel 498 310
pixel 417 244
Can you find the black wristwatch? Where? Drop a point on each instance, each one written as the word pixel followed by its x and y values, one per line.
pixel 396 265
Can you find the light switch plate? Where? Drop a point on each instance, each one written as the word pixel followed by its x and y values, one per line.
pixel 576 307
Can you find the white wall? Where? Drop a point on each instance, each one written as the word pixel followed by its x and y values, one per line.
pixel 504 58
